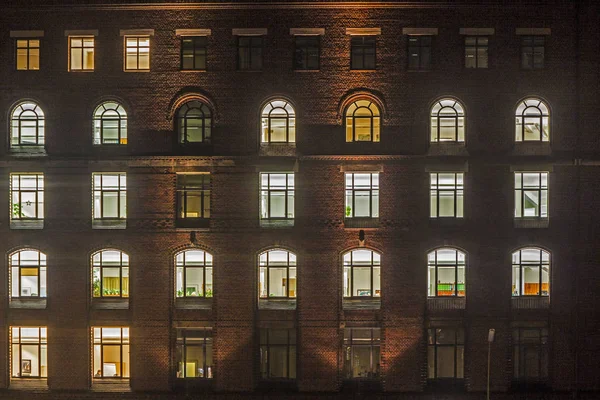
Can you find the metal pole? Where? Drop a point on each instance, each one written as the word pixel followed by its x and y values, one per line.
pixel 488 369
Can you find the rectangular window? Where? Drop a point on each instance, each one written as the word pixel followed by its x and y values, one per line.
pixel 419 52
pixel 476 51
pixel 110 195
pixel 193 53
pixel 362 53
pixel 193 196
pixel 81 50
pixel 445 353
pixel 28 54
pixel 27 196
pixel 362 354
pixel 250 53
pixel 29 352
pixel 446 194
pixel 307 52
pixel 137 53
pixel 532 52
pixel 530 354
pixel 111 353
pixel 362 195
pixel 194 353
pixel 277 196
pixel 278 353
pixel 531 195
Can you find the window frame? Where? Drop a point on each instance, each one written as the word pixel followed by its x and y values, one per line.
pixel 40 124
pixel 203 192
pixel 124 293
pixel 194 48
pixel 519 292
pixel 289 194
pixel 432 343
pixel 457 265
pixel 125 340
pixel 304 53
pixel 476 47
pixel 207 267
pixel 181 345
pixel 436 189
pixel 292 263
pixel 349 348
pixel 42 344
pixel 83 38
pixel 348 267
pixel 28 52
pixel 290 121
pixel 374 136
pixel 360 49
pixel 541 190
pixel 122 125
pixel 532 48
pixel 419 48
pixel 137 48
pixel 435 118
pixel 38 193
pixel 251 47
pixel 42 274
pixel 518 354
pixel 182 122
pixel 544 120
pixel 122 187
pixel 265 348
pixel 352 190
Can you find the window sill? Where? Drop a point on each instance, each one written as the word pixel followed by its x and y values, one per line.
pixel 530 302
pixel 109 224
pixel 277 384
pixel 277 149
pixel 446 384
pixel 192 70
pixel 28 151
pixel 361 222
pixel 447 149
pixel 532 149
pixel 361 304
pixel 531 223
pixel 276 223
pixel 307 70
pixel 446 303
pixel 111 385
pixel 363 70
pixel 106 303
pixel 136 70
pixel 28 384
pixel 193 223
pixel 28 304
pixel 26 224
pixel 534 385
pixel 276 304
pixel 446 221
pixel 194 303
pixel 193 384
pixel 361 385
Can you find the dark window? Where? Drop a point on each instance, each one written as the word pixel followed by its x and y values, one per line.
pixel 532 52
pixel 250 57
pixel 530 354
pixel 362 52
pixel 194 122
pixel 476 51
pixel 419 52
pixel 445 353
pixel 193 53
pixel 306 54
pixel 28 54
pixel 194 353
pixel 362 356
pixel 193 196
pixel 278 353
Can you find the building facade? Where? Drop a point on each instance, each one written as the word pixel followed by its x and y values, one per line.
pixel 311 196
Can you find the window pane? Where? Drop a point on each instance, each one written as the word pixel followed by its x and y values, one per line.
pixel 445 362
pixel 362 281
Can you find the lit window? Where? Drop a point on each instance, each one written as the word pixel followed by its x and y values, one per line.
pixel 111 353
pixel 447 121
pixel 362 353
pixel 250 49
pixel 277 196
pixel 532 52
pixel 110 274
pixel 137 53
pixel 419 52
pixel 194 274
pixel 362 52
pixel 362 195
pixel 532 121
pixel 81 53
pixel 110 196
pixel 446 194
pixel 193 197
pixel 28 274
pixel 278 122
pixel 446 273
pixel 476 51
pixel 27 125
pixel 362 122
pixel 278 353
pixel 530 354
pixel 110 124
pixel 194 353
pixel 307 52
pixel 193 53
pixel 362 274
pixel 530 272
pixel 277 274
pixel 531 195
pixel 27 196
pixel 29 351
pixel 28 54
pixel 445 353
pixel 194 121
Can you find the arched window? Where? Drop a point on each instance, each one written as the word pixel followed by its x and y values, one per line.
pixel 27 274
pixel 27 125
pixel 362 122
pixel 277 274
pixel 194 274
pixel 278 122
pixel 110 124
pixel 362 274
pixel 531 272
pixel 532 121
pixel 110 274
pixel 194 121
pixel 447 121
pixel 446 273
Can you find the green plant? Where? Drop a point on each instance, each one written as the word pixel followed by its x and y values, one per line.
pixel 96 288
pixel 208 293
pixel 17 210
pixel 179 293
pixel 191 292
pixel 348 211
